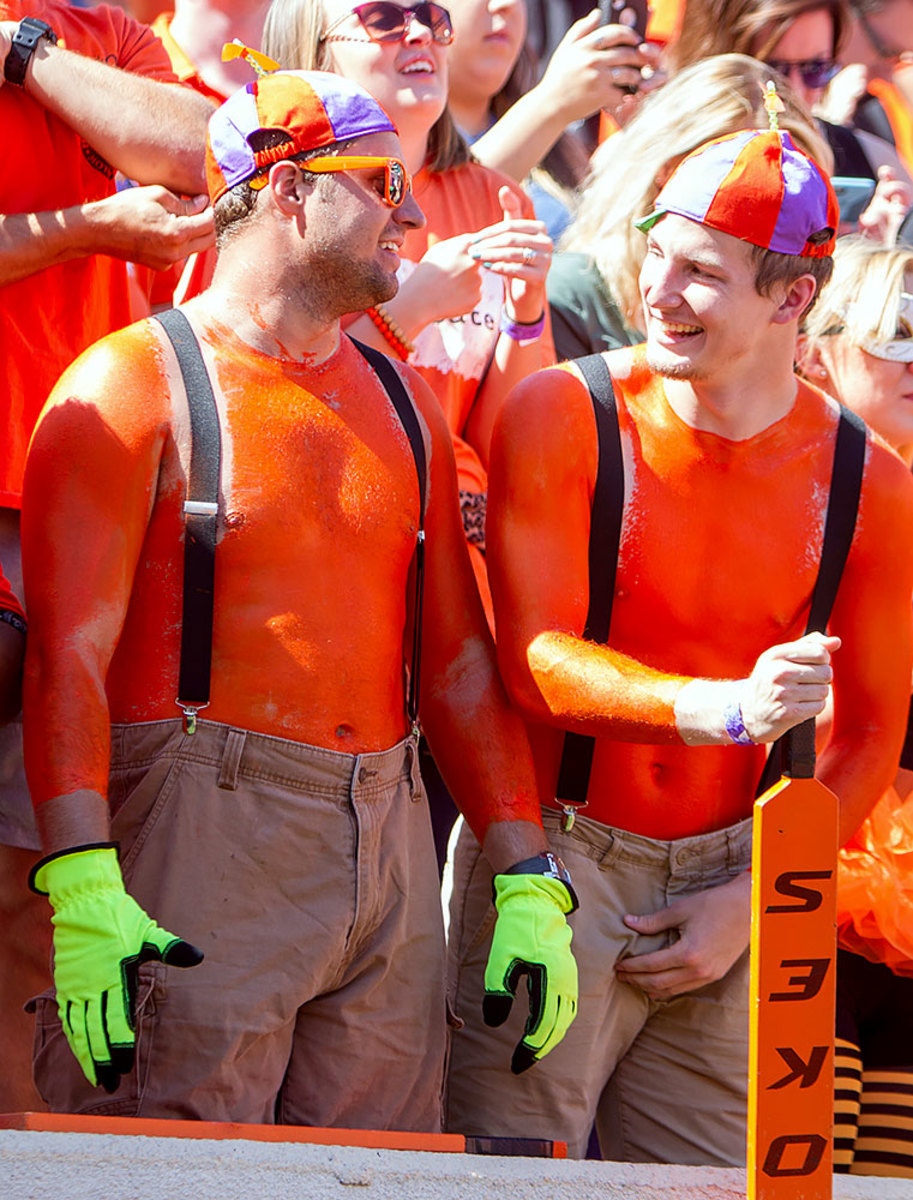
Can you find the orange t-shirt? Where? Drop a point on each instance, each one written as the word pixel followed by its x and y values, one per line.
pixel 719 554
pixel 50 317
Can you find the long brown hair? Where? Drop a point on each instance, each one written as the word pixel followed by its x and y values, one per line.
pixel 747 26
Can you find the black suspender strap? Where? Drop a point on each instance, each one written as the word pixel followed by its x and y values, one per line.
pixel 399 397
pixel 794 753
pixel 201 514
pixel 201 518
pixel 605 537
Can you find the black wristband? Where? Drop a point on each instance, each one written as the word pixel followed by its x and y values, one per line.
pixel 551 866
pixel 60 854
pixel 29 33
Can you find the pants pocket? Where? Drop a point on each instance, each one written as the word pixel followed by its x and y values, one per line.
pixel 59 1077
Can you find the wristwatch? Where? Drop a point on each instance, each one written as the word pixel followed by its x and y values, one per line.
pixel 25 39
pixel 547 864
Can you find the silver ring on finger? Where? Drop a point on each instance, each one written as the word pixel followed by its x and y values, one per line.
pixel 528 255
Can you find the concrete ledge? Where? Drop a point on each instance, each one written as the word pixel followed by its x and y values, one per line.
pixel 80 1166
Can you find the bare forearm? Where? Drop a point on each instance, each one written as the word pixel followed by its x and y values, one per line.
pixel 66 722
pixel 159 134
pixel 521 138
pixel 595 690
pixel 149 225
pixel 482 750
pixel 77 819
pixel 859 775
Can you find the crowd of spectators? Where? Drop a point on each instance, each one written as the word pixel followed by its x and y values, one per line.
pixel 535 137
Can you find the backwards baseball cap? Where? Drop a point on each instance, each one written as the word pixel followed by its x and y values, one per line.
pixel 758 186
pixel 313 108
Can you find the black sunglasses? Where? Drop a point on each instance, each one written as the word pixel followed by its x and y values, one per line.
pixel 384 21
pixel 815 72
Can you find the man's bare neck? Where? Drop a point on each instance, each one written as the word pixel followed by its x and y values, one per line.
pixel 737 412
pixel 268 323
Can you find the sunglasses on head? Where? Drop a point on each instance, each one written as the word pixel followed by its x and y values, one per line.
pixel 814 72
pixel 397 180
pixel 384 21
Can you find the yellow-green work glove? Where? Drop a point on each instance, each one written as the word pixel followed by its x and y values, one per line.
pixel 532 938
pixel 101 935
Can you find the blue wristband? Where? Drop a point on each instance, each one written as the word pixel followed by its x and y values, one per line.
pixel 735 726
pixel 520 332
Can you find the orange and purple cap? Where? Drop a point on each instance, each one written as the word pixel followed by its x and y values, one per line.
pixel 314 108
pixel 758 186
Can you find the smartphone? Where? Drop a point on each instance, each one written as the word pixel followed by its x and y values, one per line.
pixel 853 196
pixel 633 13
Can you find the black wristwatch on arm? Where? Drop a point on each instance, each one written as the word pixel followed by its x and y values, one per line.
pixel 30 32
pixel 546 864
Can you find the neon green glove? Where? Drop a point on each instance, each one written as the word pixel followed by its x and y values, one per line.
pixel 101 935
pixel 532 938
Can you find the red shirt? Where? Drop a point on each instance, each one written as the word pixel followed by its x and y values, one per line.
pixel 50 317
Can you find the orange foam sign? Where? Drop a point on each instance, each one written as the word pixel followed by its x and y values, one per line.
pixel 792 998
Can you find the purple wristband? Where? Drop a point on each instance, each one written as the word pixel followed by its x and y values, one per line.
pixel 735 726
pixel 520 332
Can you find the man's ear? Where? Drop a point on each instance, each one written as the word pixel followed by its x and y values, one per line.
pixel 796 299
pixel 289 187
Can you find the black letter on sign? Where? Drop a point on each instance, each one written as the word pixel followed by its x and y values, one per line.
pixel 810 984
pixel 816 1147
pixel 810 897
pixel 805 1072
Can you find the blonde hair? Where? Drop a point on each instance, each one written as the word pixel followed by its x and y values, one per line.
pixel 291 35
pixel 862 300
pixel 714 97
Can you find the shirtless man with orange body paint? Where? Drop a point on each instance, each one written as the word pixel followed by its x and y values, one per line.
pixel 287 836
pixel 727 461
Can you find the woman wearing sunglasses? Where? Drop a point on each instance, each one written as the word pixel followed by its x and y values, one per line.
pixel 469 314
pixel 858 345
pixel 801 39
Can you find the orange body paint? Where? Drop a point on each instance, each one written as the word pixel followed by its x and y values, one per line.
pixel 720 549
pixel 321 508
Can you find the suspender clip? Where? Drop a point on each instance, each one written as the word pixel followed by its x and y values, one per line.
pixel 570 816
pixel 190 715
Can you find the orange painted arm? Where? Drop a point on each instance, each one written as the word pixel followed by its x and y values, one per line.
pixel 872 669
pixel 89 487
pixel 544 462
pixel 479 742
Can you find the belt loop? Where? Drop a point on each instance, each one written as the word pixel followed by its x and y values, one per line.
pixel 415 774
pixel 734 839
pixel 231 759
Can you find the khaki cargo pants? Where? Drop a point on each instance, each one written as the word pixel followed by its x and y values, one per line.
pixel 664 1081
pixel 309 880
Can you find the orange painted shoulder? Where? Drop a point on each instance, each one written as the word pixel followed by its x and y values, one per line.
pixel 125 376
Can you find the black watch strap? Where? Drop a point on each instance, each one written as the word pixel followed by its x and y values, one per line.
pixel 30 32
pixel 546 864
